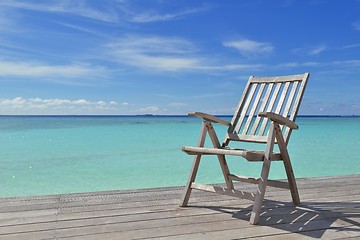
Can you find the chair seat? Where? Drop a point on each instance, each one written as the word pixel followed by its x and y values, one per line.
pixel 250 155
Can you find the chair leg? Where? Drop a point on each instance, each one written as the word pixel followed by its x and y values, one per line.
pixel 292 183
pixel 187 191
pixel 221 158
pixel 259 198
pixel 225 171
pixel 288 168
pixel 186 195
pixel 255 214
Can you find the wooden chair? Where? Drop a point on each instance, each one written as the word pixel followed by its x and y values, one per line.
pixel 266 114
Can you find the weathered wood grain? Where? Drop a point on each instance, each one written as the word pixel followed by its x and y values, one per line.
pixel 154 214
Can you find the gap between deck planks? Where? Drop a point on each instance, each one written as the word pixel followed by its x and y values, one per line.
pixel 330 209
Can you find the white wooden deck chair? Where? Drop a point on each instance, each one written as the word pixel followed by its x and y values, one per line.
pixel 266 114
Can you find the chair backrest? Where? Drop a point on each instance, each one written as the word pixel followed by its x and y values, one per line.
pixel 282 95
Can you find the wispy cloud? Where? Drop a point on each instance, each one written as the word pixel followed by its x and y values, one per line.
pixel 356 25
pixel 79 8
pixel 37 106
pixel 351 46
pixel 49 106
pixel 151 16
pixel 167 54
pixel 248 47
pixel 230 67
pixel 149 109
pixel 4 21
pixel 338 70
pixel 311 50
pixel 113 12
pixel 177 104
pixel 348 64
pixel 50 72
pixel 317 50
pixel 82 29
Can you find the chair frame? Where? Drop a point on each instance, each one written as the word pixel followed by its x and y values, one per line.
pixel 282 122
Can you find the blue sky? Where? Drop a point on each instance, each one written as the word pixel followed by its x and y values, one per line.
pixel 172 57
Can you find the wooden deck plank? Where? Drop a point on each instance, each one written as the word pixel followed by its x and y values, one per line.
pixel 233 211
pixel 157 220
pixel 23 217
pixel 145 194
pixel 154 213
pixel 144 197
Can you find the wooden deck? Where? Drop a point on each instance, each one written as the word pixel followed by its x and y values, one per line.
pixel 330 210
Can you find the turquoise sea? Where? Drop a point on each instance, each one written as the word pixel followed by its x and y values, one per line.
pixel 66 154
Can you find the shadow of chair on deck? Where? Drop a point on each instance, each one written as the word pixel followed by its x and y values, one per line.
pixel 311 219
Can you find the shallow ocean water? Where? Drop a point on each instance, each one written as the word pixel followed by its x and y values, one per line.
pixel 66 154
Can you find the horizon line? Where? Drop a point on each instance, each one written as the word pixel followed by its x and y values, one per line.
pixel 148 115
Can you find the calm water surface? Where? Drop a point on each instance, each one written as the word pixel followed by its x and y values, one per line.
pixel 49 155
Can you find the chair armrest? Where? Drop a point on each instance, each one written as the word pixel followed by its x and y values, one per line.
pixel 279 119
pixel 209 118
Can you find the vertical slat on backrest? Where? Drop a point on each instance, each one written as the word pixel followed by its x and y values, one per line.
pixel 298 98
pixel 253 108
pixel 288 104
pixel 262 108
pixel 239 109
pixel 246 106
pixel 295 108
pixel 290 99
pixel 281 95
pixel 270 107
pixel 280 103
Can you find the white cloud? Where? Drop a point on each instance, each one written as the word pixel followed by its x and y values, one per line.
pixel 169 63
pixel 288 65
pixel 347 64
pixel 81 29
pixel 311 64
pixel 298 64
pixel 50 72
pixel 356 25
pixel 106 11
pixel 4 21
pixel 351 46
pixel 79 8
pixel 151 16
pixel 248 47
pixel 36 106
pixel 310 51
pixel 230 67
pixel 166 54
pixel 177 104
pixel 149 109
pixel 317 50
